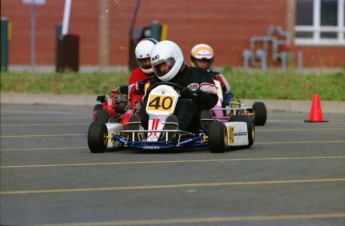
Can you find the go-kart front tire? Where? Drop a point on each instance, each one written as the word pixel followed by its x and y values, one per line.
pixel 97 137
pixel 217 137
pixel 206 118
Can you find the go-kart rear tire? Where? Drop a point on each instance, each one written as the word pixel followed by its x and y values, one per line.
pixel 250 126
pixel 206 118
pixel 97 137
pixel 96 108
pixel 102 116
pixel 217 137
pixel 260 113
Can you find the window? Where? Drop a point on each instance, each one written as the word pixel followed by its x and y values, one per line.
pixel 320 22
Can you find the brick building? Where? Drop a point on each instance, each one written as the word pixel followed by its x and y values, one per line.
pixel 317 36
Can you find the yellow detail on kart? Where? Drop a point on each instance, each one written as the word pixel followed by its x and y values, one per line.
pixel 204 138
pixel 231 135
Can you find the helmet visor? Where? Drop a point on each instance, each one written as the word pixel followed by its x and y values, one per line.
pixel 203 63
pixel 162 68
pixel 144 63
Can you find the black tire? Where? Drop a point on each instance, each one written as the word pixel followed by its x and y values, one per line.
pixel 260 113
pixel 206 118
pixel 102 116
pixel 96 108
pixel 250 126
pixel 217 137
pixel 97 137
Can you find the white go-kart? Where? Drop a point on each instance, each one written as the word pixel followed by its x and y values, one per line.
pixel 257 111
pixel 163 134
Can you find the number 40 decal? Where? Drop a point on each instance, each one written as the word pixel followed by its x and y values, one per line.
pixel 160 103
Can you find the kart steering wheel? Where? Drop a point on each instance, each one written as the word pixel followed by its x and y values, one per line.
pixel 175 85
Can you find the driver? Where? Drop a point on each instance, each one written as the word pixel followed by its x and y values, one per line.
pixel 202 55
pixel 199 91
pixel 142 72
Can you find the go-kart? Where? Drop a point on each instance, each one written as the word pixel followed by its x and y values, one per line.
pixel 112 106
pixel 118 102
pixel 162 100
pixel 257 112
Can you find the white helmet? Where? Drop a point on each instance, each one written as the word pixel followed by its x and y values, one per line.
pixel 202 52
pixel 167 52
pixel 142 52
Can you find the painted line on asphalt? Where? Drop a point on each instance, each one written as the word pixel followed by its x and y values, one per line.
pixel 174 161
pixel 42 135
pixel 211 219
pixel 56 124
pixel 40 118
pixel 39 149
pixel 301 142
pixel 170 186
pixel 333 121
pixel 276 142
pixel 21 112
pixel 288 130
pixel 256 143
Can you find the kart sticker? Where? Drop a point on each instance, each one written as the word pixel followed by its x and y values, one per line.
pixel 154 126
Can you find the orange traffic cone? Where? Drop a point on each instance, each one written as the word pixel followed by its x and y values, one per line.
pixel 315 110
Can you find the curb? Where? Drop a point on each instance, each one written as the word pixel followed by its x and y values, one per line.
pixel 300 105
pixel 90 100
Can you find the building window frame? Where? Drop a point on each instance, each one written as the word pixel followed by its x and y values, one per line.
pixel 316 28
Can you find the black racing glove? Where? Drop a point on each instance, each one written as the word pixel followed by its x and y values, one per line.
pixel 187 93
pixel 139 87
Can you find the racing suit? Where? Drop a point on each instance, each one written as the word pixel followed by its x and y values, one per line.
pixel 188 109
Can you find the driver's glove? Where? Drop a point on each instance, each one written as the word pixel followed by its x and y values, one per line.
pixel 139 87
pixel 187 93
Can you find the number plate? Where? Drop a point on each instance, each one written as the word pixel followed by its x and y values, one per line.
pixel 161 103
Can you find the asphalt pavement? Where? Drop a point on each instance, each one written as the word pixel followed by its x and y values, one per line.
pixel 90 100
pixel 293 174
